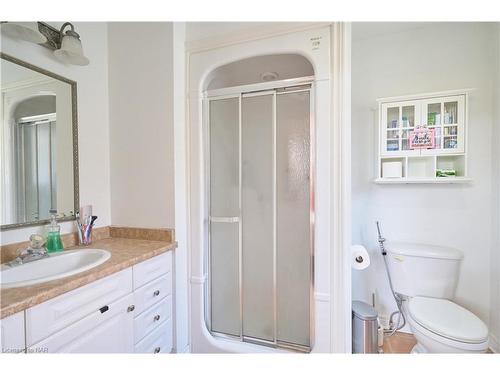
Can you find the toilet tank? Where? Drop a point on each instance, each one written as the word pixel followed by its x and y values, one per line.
pixel 423 270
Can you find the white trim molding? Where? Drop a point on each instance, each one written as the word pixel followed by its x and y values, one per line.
pixel 181 186
pixel 341 188
pixel 401 98
pixel 17 85
pixel 251 34
pixel 330 335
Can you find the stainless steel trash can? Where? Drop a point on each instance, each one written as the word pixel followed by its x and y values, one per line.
pixel 364 328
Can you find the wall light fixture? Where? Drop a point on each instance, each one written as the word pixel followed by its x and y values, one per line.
pixel 66 45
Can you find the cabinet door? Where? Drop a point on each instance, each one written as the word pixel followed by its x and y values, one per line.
pixel 397 120
pixel 12 333
pixel 447 116
pixel 110 329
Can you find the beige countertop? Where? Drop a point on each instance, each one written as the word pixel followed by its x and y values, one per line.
pixel 125 252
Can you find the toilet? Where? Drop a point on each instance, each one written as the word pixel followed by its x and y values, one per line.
pixel 426 277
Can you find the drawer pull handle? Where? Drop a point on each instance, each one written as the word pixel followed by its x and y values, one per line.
pixel 131 308
pixel 156 293
pixel 104 309
pixel 157 349
pixel 157 317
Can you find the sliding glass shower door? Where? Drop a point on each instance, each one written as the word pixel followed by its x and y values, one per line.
pixel 260 266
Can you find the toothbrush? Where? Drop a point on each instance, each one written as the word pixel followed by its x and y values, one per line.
pixel 88 228
pixel 79 225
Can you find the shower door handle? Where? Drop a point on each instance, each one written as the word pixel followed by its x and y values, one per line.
pixel 224 219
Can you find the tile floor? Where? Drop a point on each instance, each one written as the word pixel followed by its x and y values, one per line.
pixel 399 343
pixel 402 343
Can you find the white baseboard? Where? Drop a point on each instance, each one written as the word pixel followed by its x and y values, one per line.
pixel 494 344
pixel 187 349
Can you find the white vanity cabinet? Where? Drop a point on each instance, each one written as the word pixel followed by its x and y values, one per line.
pixel 12 333
pixel 129 311
pixel 153 305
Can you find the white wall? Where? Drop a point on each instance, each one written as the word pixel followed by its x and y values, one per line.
pixel 141 124
pixel 417 60
pixel 201 34
pixel 93 129
pixel 143 77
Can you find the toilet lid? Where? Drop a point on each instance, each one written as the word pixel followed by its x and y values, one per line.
pixel 448 319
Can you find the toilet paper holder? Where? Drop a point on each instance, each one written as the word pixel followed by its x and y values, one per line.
pixel 360 259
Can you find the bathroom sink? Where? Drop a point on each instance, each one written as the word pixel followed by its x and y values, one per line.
pixel 56 266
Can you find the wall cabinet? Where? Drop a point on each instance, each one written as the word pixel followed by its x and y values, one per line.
pixel 129 311
pixel 446 115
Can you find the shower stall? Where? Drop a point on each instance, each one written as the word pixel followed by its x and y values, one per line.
pixel 259 155
pixel 261 207
pixel 35 166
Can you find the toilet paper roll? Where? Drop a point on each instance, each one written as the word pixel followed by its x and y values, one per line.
pixel 359 257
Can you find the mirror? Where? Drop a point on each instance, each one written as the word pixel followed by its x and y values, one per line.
pixel 38 145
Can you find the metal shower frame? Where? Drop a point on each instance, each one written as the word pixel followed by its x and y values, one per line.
pixel 302 84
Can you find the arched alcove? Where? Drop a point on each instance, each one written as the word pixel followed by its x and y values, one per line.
pixel 35 106
pixel 259 69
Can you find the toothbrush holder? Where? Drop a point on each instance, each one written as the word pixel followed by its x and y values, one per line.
pixel 84 227
pixel 86 235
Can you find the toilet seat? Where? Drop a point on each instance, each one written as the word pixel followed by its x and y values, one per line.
pixel 447 319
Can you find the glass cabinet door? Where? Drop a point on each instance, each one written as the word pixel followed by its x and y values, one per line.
pixel 450 125
pixel 392 132
pixel 408 116
pixel 398 119
pixel 447 116
pixel 432 117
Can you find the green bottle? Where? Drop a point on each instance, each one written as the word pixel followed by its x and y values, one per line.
pixel 54 242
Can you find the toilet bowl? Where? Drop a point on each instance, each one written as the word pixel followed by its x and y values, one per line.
pixel 442 326
pixel 426 276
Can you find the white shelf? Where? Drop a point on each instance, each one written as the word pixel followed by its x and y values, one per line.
pixel 424 180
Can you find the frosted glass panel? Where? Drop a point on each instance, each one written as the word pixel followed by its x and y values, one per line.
pixel 29 158
pixel 272 301
pixel 224 202
pixel 257 221
pixel 224 157
pixel 53 166
pixel 224 278
pixel 293 224
pixel 44 172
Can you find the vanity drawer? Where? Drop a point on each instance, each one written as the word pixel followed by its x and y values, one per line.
pixel 158 341
pixel 62 311
pixel 152 268
pixel 108 330
pixel 152 293
pixel 153 317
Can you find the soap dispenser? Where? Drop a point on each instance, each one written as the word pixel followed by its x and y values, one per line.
pixel 54 242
